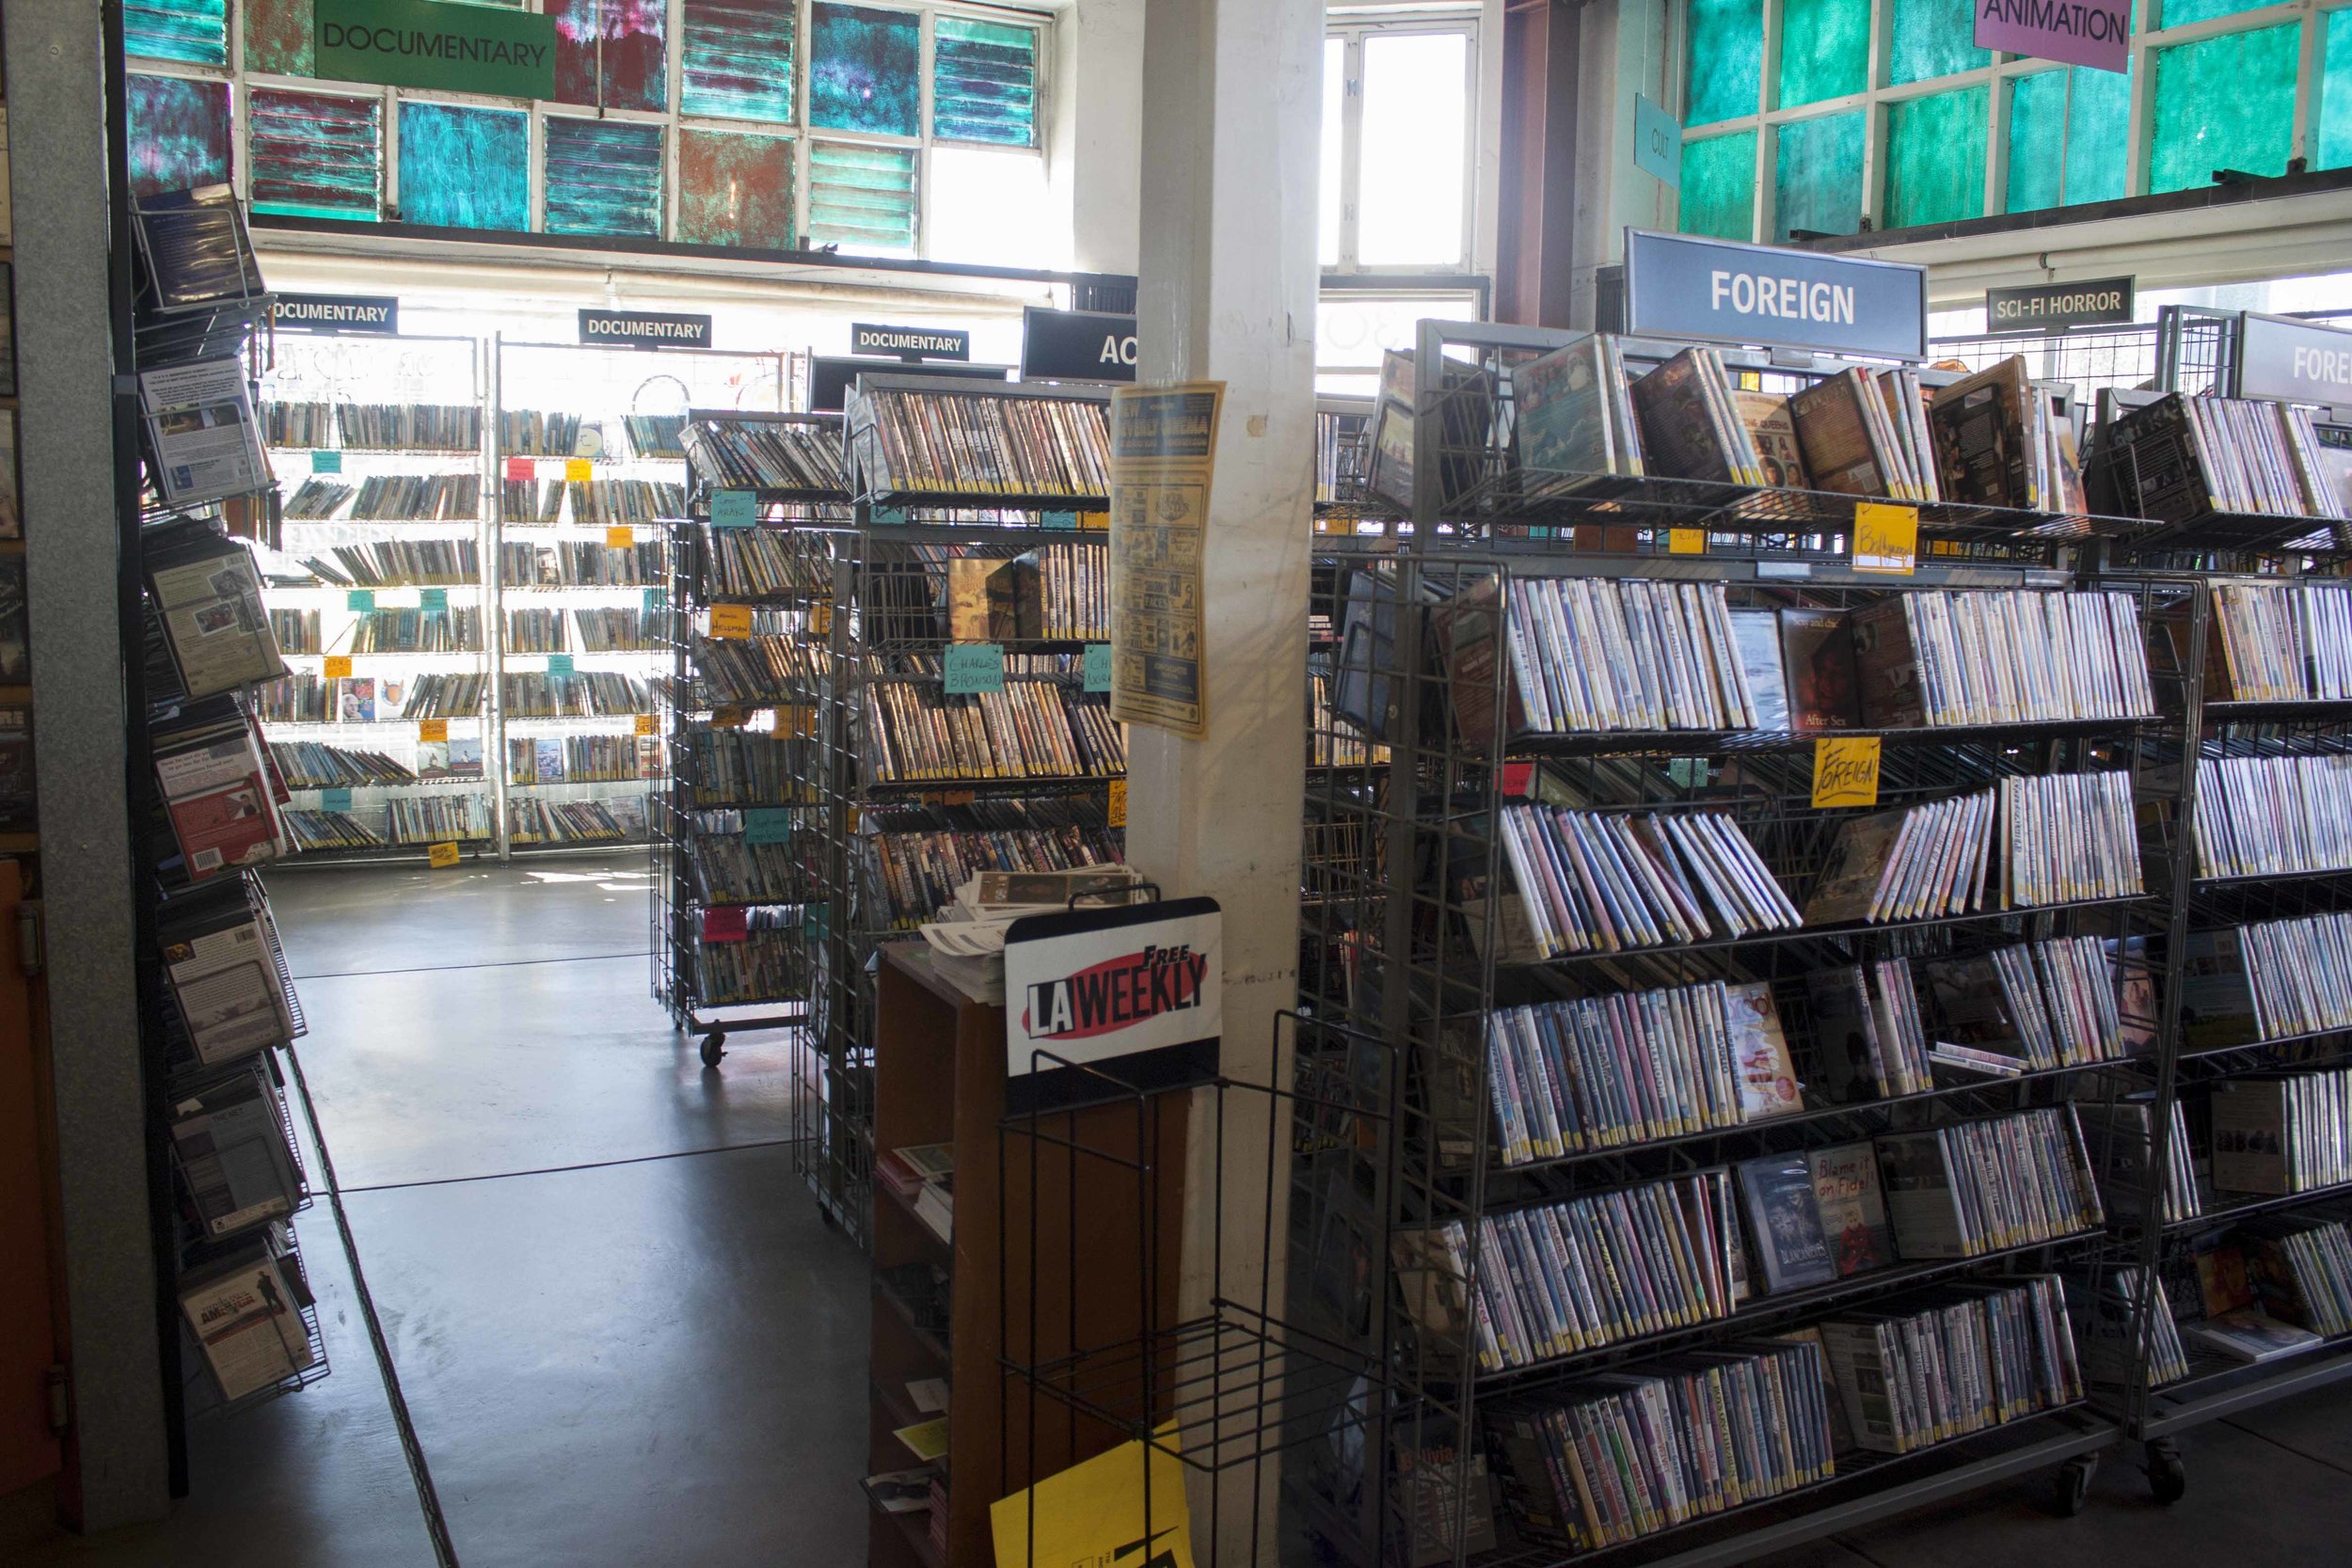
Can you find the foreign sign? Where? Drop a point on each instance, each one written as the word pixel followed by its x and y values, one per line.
pixel 376 314
pixel 2294 361
pixel 2080 32
pixel 643 328
pixel 910 343
pixel 427 43
pixel 1845 771
pixel 1076 345
pixel 2055 307
pixel 1720 291
pixel 1134 991
pixel 1657 141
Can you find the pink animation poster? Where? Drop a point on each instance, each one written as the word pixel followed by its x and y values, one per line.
pixel 2094 34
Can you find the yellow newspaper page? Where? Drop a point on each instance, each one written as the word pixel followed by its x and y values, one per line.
pixel 1093 1515
pixel 1163 451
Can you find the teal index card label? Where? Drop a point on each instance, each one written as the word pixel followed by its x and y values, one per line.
pixel 973 668
pixel 1098 666
pixel 559 664
pixel 433 599
pixel 768 824
pixel 359 598
pixel 334 799
pixel 733 509
pixel 327 462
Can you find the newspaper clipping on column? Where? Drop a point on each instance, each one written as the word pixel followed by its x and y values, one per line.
pixel 1162 453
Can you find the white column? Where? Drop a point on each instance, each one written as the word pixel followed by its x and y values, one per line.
pixel 1097 125
pixel 1231 98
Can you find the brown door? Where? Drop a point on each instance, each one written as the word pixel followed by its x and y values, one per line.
pixel 28 1450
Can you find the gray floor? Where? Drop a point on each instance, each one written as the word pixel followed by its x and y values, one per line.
pixel 627 1339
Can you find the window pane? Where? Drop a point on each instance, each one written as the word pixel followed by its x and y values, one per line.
pixel 738 61
pixel 315 154
pixel 2334 115
pixel 463 167
pixel 1824 51
pixel 1933 37
pixel 983 82
pixel 277 37
pixel 636 68
pixel 1333 167
pixel 1416 118
pixel 603 177
pixel 2098 133
pixel 861 199
pixel 1719 186
pixel 991 209
pixel 1817 176
pixel 1935 158
pixel 1723 77
pixel 195 31
pixel 866 67
pixel 2180 13
pixel 179 132
pixel 2036 141
pixel 2223 103
pixel 735 190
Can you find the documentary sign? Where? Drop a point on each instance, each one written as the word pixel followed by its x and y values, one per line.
pixel 2294 361
pixel 1076 345
pixel 1163 453
pixel 910 343
pixel 1135 991
pixel 2096 33
pixel 1682 286
pixel 427 43
pixel 2055 307
pixel 376 314
pixel 643 329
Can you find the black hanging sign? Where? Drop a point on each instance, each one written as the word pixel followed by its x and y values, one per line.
pixel 377 315
pixel 1078 345
pixel 910 343
pixel 2055 306
pixel 643 329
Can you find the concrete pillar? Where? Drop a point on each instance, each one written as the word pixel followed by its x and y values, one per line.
pixel 1097 130
pixel 1232 96
pixel 64 341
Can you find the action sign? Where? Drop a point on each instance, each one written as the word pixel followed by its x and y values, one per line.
pixel 1135 991
pixel 2080 32
pixel 425 43
pixel 643 328
pixel 1076 345
pixel 2055 307
pixel 2294 361
pixel 1720 291
pixel 376 314
pixel 910 343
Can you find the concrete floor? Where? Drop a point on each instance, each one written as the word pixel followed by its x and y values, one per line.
pixel 627 1339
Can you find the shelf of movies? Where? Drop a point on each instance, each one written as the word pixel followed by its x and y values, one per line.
pixel 1538 428
pixel 2216 474
pixel 1025 445
pixel 779 459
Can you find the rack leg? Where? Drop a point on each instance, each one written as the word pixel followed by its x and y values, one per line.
pixel 2168 1478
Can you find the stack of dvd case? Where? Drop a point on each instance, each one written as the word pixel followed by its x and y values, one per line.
pixel 2286 1133
pixel 2273 816
pixel 757 454
pixel 1928 1368
pixel 1599 882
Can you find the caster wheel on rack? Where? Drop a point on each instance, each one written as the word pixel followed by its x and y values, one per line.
pixel 2168 1478
pixel 2072 1487
pixel 714 1047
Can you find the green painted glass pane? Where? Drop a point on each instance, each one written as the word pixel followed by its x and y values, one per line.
pixel 602 177
pixel 195 31
pixel 1933 37
pixel 735 190
pixel 2037 142
pixel 2223 103
pixel 1824 51
pixel 2334 130
pixel 864 69
pixel 861 199
pixel 178 133
pixel 1935 158
pixel 1719 186
pixel 983 82
pixel 738 58
pixel 1723 77
pixel 464 167
pixel 2098 135
pixel 315 155
pixel 1817 176
pixel 2180 13
pixel 278 38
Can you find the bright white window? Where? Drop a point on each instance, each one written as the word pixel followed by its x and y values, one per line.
pixel 1397 139
pixel 991 209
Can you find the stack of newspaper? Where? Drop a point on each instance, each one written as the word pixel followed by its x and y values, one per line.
pixel 967 944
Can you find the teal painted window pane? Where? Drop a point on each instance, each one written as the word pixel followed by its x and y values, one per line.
pixel 603 177
pixel 865 69
pixel 2180 13
pixel 2223 103
pixel 1719 186
pixel 1723 77
pixel 179 130
pixel 861 199
pixel 1816 175
pixel 315 154
pixel 1935 158
pixel 463 168
pixel 2334 130
pixel 2037 142
pixel 1933 37
pixel 983 82
pixel 738 60
pixel 1824 51
pixel 195 31
pixel 2098 133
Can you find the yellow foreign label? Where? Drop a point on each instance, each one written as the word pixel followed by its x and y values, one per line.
pixel 648 724
pixel 433 729
pixel 1845 771
pixel 797 719
pixel 441 856
pixel 1685 541
pixel 1886 538
pixel 338 665
pixel 1119 802
pixel 578 471
pixel 730 620
pixel 620 538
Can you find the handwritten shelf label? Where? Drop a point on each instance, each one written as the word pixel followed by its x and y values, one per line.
pixel 973 668
pixel 730 621
pixel 1098 666
pixel 1886 538
pixel 733 509
pixel 1845 771
pixel 338 665
pixel 440 857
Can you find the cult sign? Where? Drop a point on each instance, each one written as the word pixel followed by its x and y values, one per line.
pixel 1134 993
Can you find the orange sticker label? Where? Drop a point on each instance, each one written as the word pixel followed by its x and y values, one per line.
pixel 441 856
pixel 730 620
pixel 1119 802
pixel 338 665
pixel 578 471
pixel 620 538
pixel 648 724
pixel 433 729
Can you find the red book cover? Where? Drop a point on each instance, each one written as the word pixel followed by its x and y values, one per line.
pixel 220 807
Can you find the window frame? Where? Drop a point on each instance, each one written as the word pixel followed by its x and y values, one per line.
pixel 1351 30
pixel 2000 78
pixel 672 120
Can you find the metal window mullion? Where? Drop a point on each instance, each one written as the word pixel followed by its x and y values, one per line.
pixel 388 157
pixel 805 154
pixel 1351 147
pixel 926 35
pixel 2142 118
pixel 1875 127
pixel 1764 220
pixel 1996 92
pixel 674 100
pixel 1470 145
pixel 2305 142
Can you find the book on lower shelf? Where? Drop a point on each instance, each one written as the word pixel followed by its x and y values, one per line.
pixel 228 1140
pixel 924 1176
pixel 220 790
pixel 244 1302
pixel 226 969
